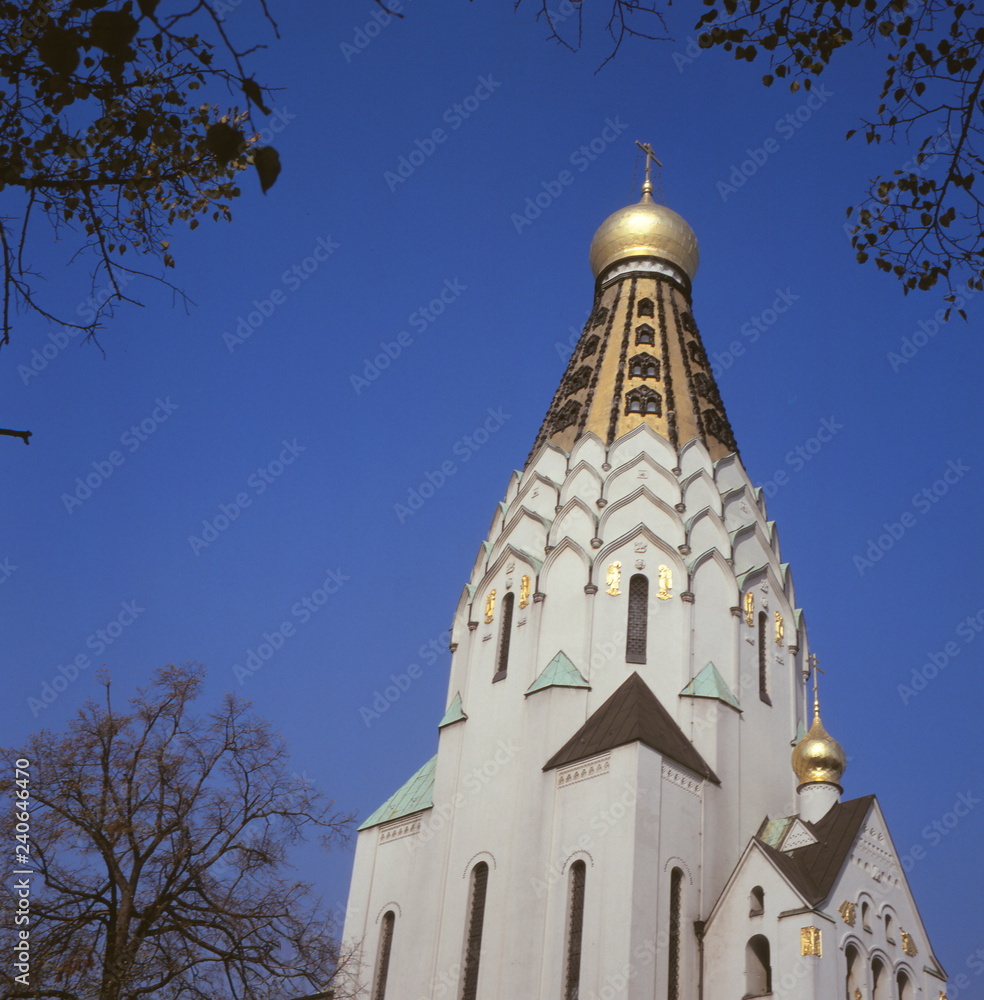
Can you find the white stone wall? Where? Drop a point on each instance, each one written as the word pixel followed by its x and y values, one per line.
pixel 563 522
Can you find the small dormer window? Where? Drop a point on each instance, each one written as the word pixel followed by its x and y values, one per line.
pixel 644 366
pixel 645 307
pixel 645 334
pixel 578 379
pixel 644 400
pixel 601 314
pixel 590 346
pixel 566 416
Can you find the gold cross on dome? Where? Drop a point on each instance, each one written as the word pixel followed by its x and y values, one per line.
pixel 814 662
pixel 650 157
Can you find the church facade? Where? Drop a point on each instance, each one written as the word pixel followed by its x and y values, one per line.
pixel 633 796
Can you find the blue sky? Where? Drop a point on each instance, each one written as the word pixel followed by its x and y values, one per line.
pixel 291 456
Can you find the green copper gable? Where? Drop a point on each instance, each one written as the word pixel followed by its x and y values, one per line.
pixel 559 672
pixel 415 795
pixel 710 684
pixel 455 712
pixel 773 830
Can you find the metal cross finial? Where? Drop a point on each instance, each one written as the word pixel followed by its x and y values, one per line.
pixel 650 155
pixel 814 662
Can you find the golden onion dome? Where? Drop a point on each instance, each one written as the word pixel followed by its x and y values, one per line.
pixel 645 230
pixel 818 757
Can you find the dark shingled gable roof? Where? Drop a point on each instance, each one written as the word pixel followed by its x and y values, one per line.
pixel 814 869
pixel 633 713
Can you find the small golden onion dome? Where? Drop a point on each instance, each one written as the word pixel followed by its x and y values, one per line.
pixel 818 757
pixel 645 230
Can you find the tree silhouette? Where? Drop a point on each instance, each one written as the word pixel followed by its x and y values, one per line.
pixel 160 840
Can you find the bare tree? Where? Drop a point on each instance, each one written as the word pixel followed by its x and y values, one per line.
pixel 160 838
pixel 110 134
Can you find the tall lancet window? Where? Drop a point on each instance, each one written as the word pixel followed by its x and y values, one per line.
pixel 676 907
pixel 575 926
pixel 855 973
pixel 763 658
pixel 383 962
pixel 505 631
pixel 758 967
pixel 473 942
pixel 635 631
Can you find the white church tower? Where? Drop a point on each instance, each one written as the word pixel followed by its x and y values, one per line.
pixel 611 811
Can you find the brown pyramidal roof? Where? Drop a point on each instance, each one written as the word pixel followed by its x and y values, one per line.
pixel 814 869
pixel 632 714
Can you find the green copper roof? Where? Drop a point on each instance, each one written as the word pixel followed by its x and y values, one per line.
pixel 710 684
pixel 455 712
pixel 559 672
pixel 775 830
pixel 415 795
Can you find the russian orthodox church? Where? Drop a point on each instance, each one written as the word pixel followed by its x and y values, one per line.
pixel 613 811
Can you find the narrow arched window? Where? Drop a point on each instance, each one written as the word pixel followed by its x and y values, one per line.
pixel 866 916
pixel 505 631
pixel 756 902
pixel 854 977
pixel 635 631
pixel 880 980
pixel 473 942
pixel 758 967
pixel 676 909
pixel 903 987
pixel 575 928
pixel 889 934
pixel 383 961
pixel 763 649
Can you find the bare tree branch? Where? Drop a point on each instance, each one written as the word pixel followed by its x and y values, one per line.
pixel 162 837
